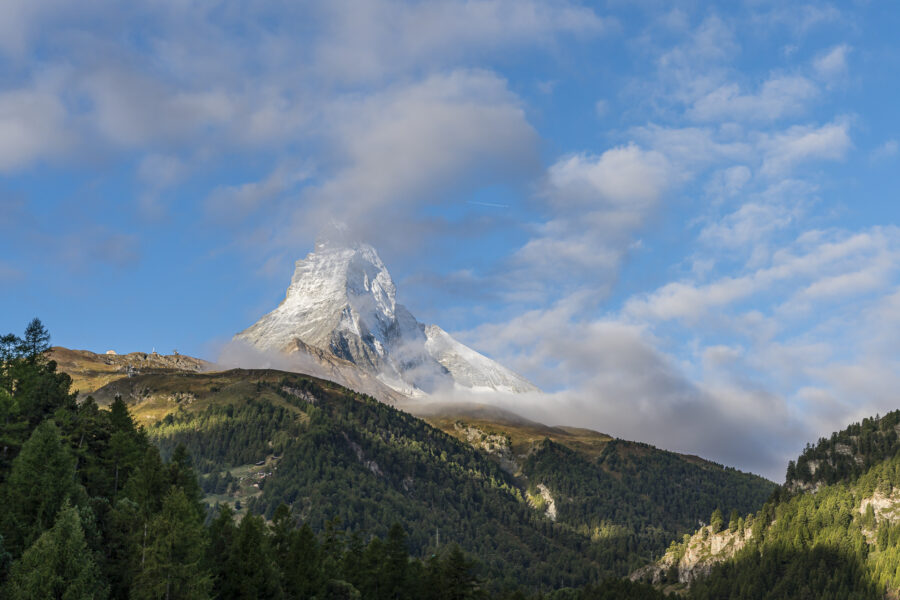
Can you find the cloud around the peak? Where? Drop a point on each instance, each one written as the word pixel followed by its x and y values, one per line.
pixel 615 380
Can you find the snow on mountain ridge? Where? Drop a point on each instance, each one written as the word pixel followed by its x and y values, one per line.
pixel 471 369
pixel 342 300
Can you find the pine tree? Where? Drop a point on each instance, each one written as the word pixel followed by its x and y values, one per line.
pixel 458 580
pixel 5 560
pixel 36 341
pixel 395 565
pixel 221 533
pixel 58 565
pixel 716 521
pixel 182 475
pixel 248 571
pixel 733 521
pixel 301 566
pixel 41 479
pixel 172 566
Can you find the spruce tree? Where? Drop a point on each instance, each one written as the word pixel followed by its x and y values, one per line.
pixel 172 563
pixel 248 571
pixel 58 565
pixel 41 479
pixel 716 521
pixel 5 560
pixel 182 475
pixel 36 341
pixel 458 580
pixel 396 562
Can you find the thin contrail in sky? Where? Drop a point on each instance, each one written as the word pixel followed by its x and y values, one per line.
pixel 491 204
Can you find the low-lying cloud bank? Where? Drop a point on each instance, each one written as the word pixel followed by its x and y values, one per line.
pixel 621 385
pixel 742 369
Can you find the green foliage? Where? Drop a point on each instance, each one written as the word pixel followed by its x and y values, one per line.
pixel 5 560
pixel 611 589
pixel 247 566
pixel 716 520
pixel 41 479
pixel 457 576
pixel 635 498
pixel 58 565
pixel 350 457
pixel 172 553
pixel 817 545
pixel 348 467
pixel 54 450
pixel 30 390
pixel 734 521
pixel 847 454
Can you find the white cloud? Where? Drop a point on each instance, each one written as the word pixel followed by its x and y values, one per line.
pixel 414 146
pixel 161 171
pixel 885 151
pixel 803 143
pixel 779 97
pixel 369 40
pixel 728 182
pixel 800 18
pixel 625 178
pixel 749 224
pixel 832 65
pixel 615 380
pixel 192 79
pixel 230 203
pixel 712 41
pixel 598 204
pixel 741 384
pixel 693 148
pixel 20 19
pixel 33 127
pixel 823 259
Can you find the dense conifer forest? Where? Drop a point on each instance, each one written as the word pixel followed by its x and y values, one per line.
pixel 833 531
pixel 337 454
pixel 846 454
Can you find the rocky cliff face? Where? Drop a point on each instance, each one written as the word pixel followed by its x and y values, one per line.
pixel 342 301
pixel 695 556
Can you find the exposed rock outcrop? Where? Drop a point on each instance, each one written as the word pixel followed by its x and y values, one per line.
pixel 694 557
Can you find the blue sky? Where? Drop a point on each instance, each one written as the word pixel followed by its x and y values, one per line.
pixel 678 219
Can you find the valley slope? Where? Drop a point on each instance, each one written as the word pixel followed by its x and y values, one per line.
pixel 262 437
pixel 832 531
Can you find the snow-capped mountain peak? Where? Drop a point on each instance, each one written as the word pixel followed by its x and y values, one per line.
pixel 342 300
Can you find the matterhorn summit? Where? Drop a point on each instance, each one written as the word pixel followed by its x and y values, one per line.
pixel 341 306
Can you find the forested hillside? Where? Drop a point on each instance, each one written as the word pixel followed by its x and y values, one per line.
pixel 347 457
pixel 840 540
pixel 637 498
pixel 846 454
pixel 329 452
